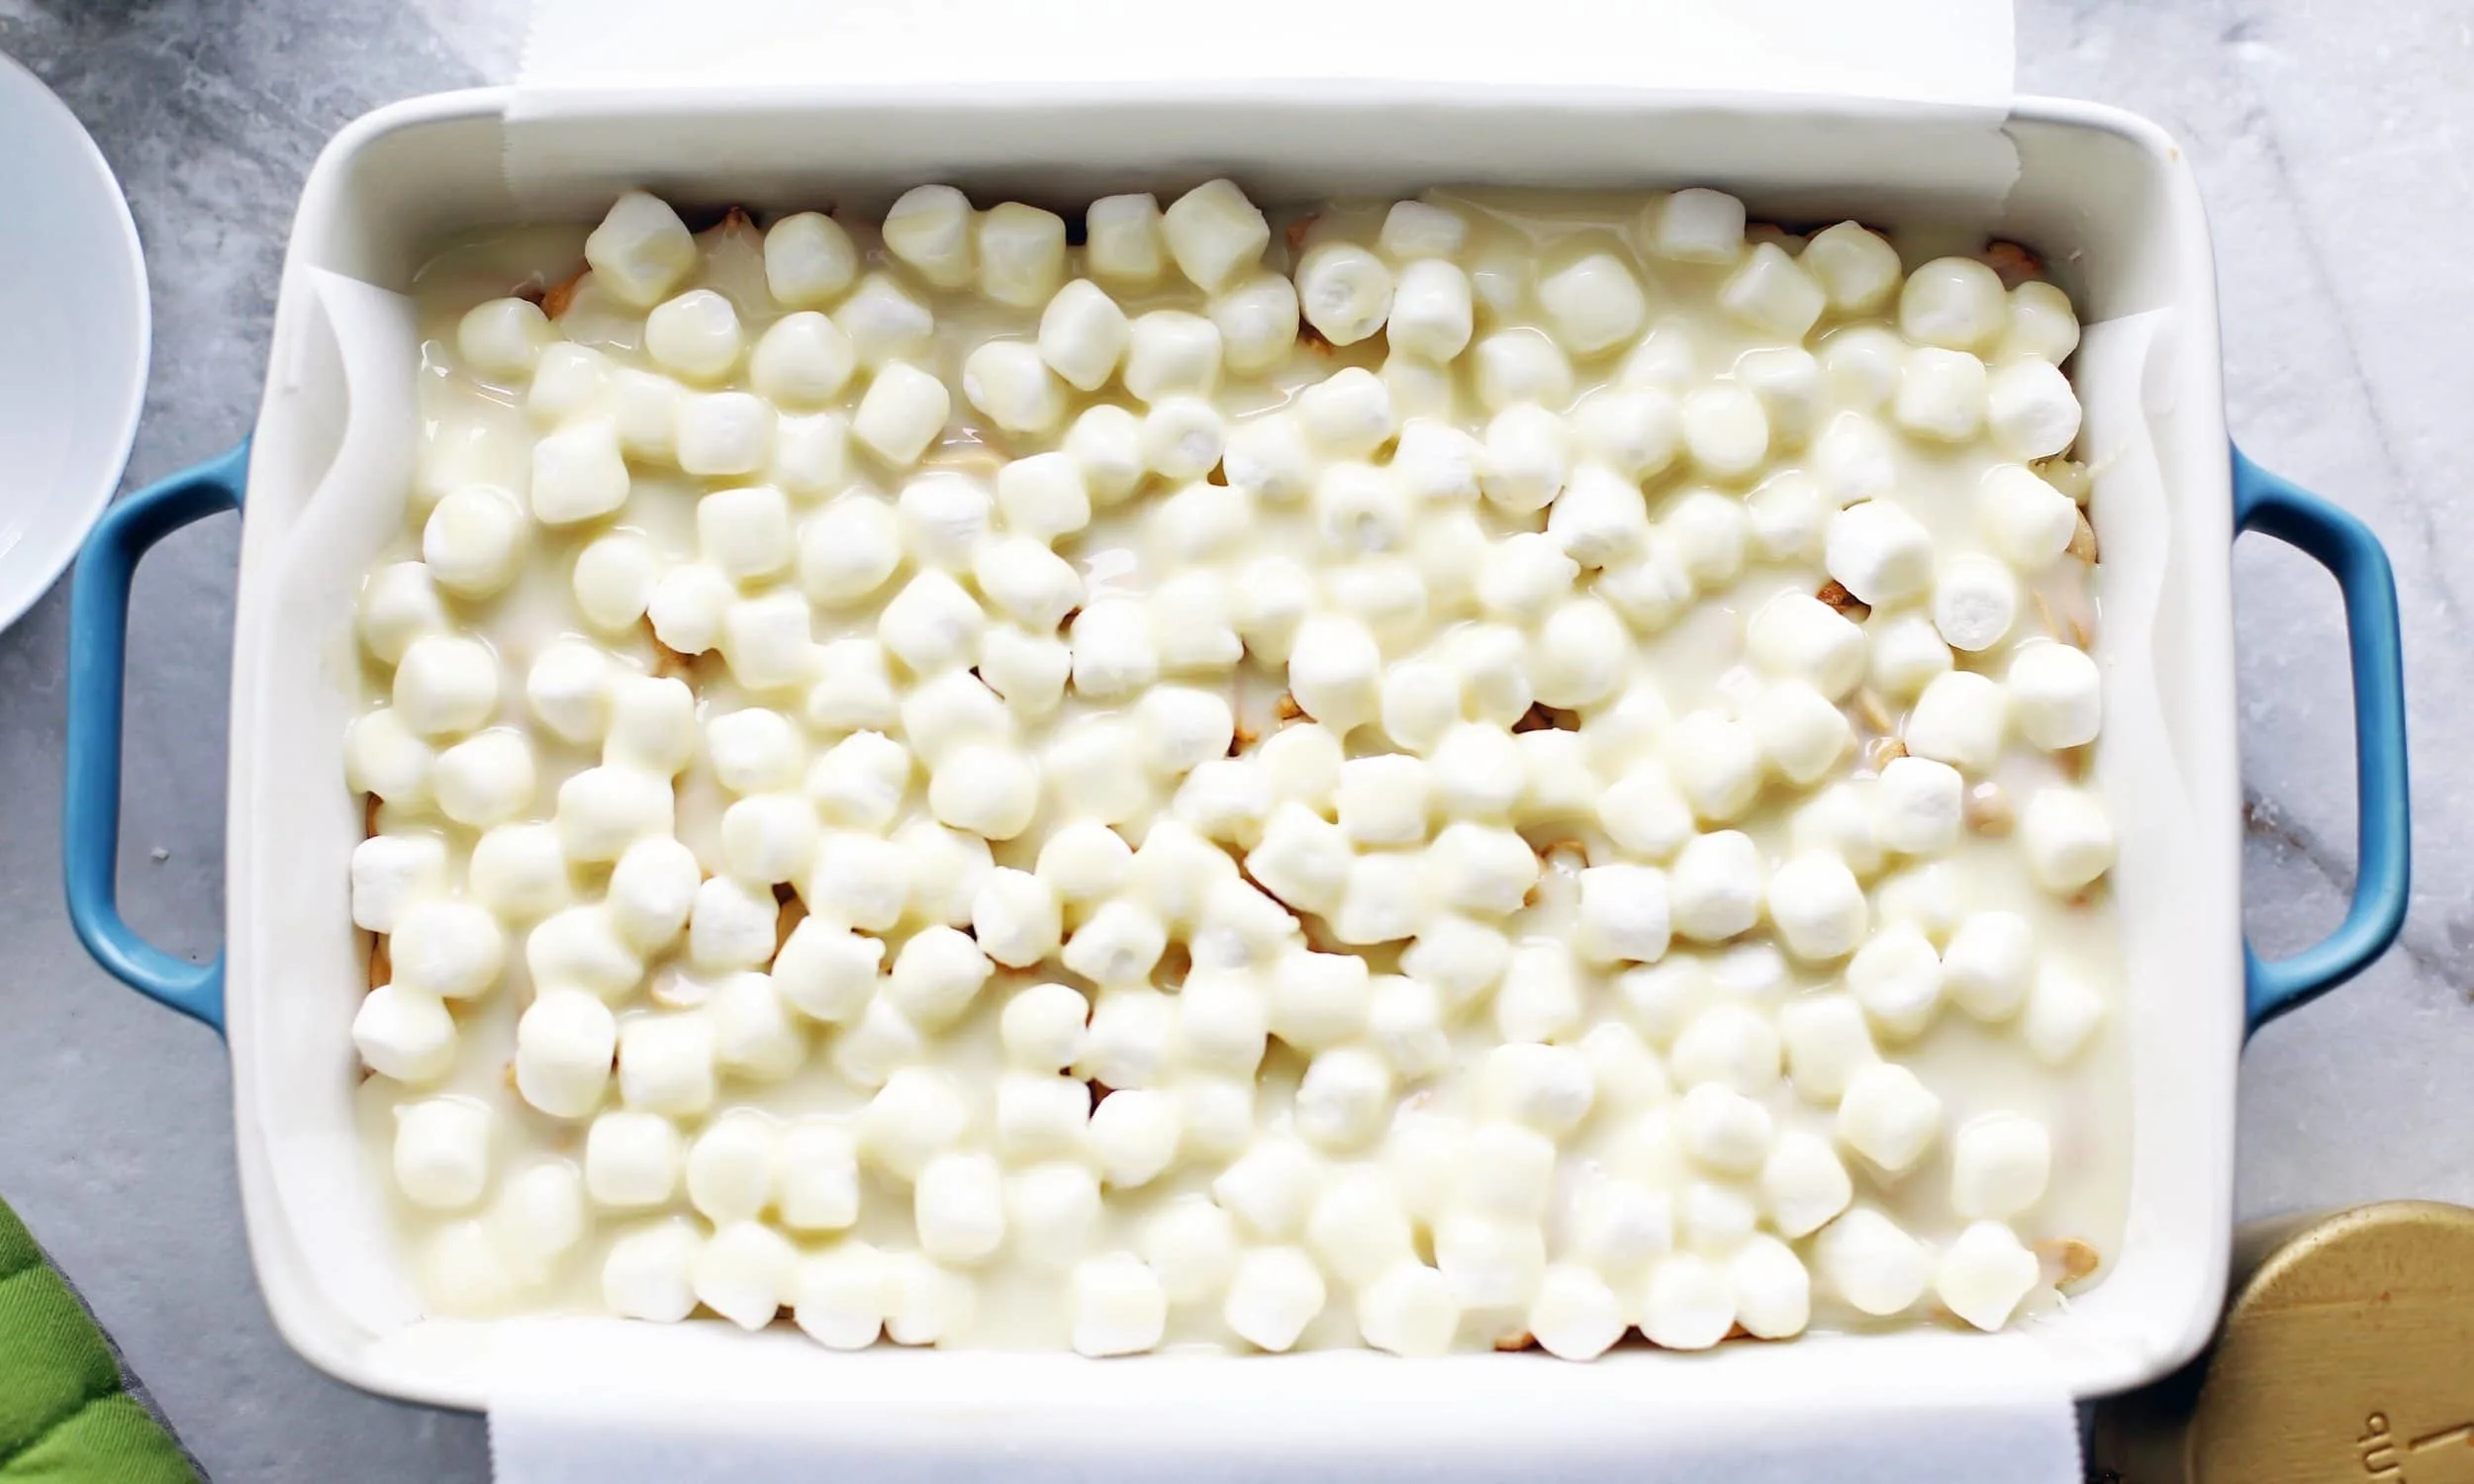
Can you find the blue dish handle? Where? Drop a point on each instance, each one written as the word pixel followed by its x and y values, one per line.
pixel 98 645
pixel 2340 542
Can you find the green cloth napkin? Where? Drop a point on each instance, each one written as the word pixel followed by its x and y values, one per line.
pixel 66 1415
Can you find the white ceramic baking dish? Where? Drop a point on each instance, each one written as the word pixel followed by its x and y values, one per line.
pixel 2105 196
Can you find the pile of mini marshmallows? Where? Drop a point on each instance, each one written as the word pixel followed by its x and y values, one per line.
pixel 1007 787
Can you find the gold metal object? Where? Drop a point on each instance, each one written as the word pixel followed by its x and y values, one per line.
pixel 2347 1353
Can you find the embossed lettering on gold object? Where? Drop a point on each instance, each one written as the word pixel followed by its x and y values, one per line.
pixel 2347 1353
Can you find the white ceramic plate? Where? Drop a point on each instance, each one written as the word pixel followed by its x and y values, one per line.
pixel 73 337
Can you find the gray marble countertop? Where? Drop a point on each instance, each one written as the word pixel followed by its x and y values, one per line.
pixel 2335 145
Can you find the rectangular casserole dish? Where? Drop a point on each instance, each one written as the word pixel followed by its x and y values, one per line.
pixel 2105 197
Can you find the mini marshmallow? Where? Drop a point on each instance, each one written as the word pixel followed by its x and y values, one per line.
pixel 848 549
pixel 1600 518
pixel 827 972
pixel 652 724
pixel 1052 1211
pixel 1575 1315
pixel 1408 1310
pixel 1257 317
pixel 1489 1262
pixel 1772 1291
pixel 1083 334
pixel 861 781
pixel 924 1304
pixel 878 1046
pixel 987 788
pixel 1958 721
pixel 803 361
pixel 1694 226
pixel 1999 1165
pixel 767 641
pixel 1343 291
pixel 1226 801
pixel 754 1033
pixel 1522 465
pixel 1926 897
pixel 1704 532
pixel 1191 1244
pixel 568 689
pixel 649 1272
pixel 943 518
pixel 390 873
pixel 1266 454
pixel 729 1167
pixel 1009 382
pixel 1540 996
pixel 1270 1188
pixel 1175 870
pixel 1688 1304
pixel 1800 733
pixel 1559 782
pixel 644 414
pixel 1786 516
pixel 1984 1274
pixel 719 432
pixel 1335 672
pixel 1803 1184
pixel 883 322
pixel 1096 769
pixel 1025 581
pixel 1827 1043
pixel 1716 764
pixel 1343 1098
pixel 2063 1013
pixel 1861 365
pixel 502 338
pixel 2043 324
pixel 1907 655
pixel 1461 959
pixel 1085 861
pixel 1917 806
pixel 959 1208
pixel 695 337
pixel 1644 814
pixel 445 686
pixel 837 1295
pixel 1855 460
pixel 1202 521
pixel 1798 636
pixel 1360 509
pixel 630 1160
pixel 666 1062
pixel 754 750
pixel 1770 292
pixel 2057 696
pixel 914 1117
pixel 1022 254
pixel 1113 652
pixel 1271 1297
pixel 602 810
pixel 1134 1134
pixel 1856 268
pixel 688 605
pixel 1888 1116
pixel 1879 552
pixel 1872 1264
pixel 1105 443
pixel 931 624
pixel 1716 1219
pixel 2068 840
pixel 1169 352
pixel 564 1044
pixel 1941 395
pixel 901 414
pixel 1347 415
pixel 1547 1088
pixel 1431 314
pixel 449 949
pixel 1029 672
pixel 2024 517
pixel 741 1272
pixel 1975 600
pixel 1317 1000
pixel 583 948
pixel 1480 868
pixel 1015 918
pixel 405 1034
pixel 1592 304
pixel 1214 231
pixel 1382 800
pixel 1897 978
pixel 1040 1115
pixel 398 604
pixel 1818 906
pixel 1728 1044
pixel 1715 886
pixel 1217 1114
pixel 1953 302
pixel 1303 859
pixel 640 249
pixel 1406 1019
pixel 1623 914
pixel 929 228
pixel 1119 944
pixel 732 925
pixel 1120 1306
pixel 473 540
pixel 808 259
pixel 1577 656
pixel 1988 965
pixel 936 976
pixel 1131 1029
